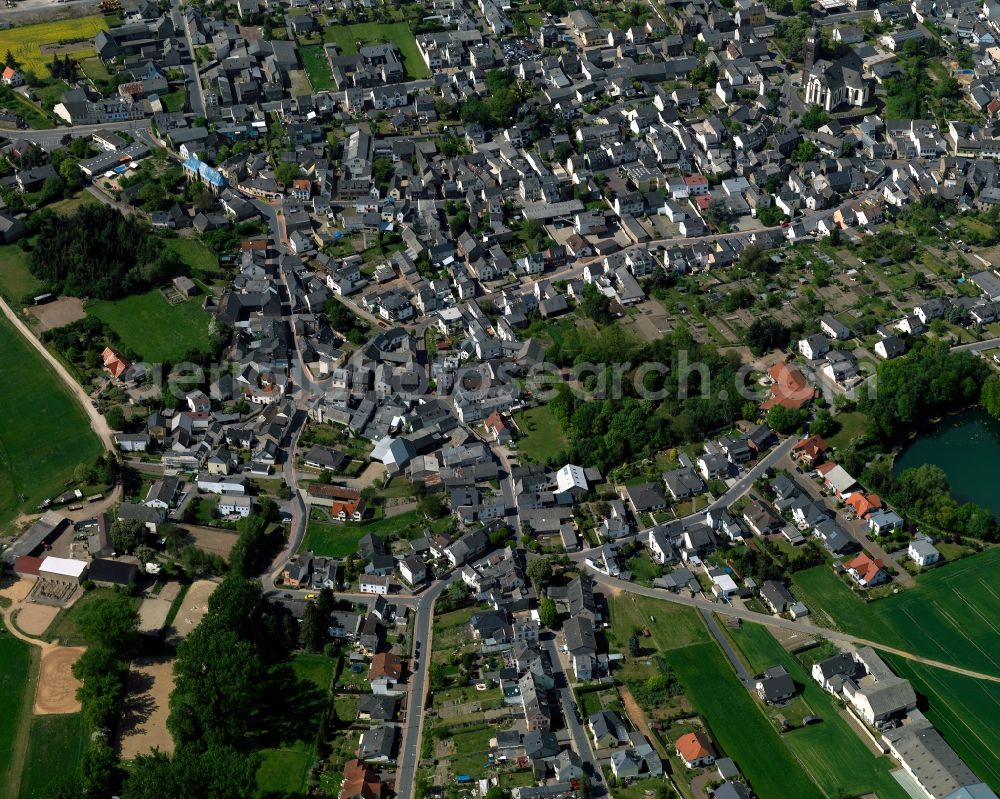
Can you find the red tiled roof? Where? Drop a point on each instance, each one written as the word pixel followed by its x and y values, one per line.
pixel 114 362
pixel 812 446
pixel 790 388
pixel 866 568
pixel 694 746
pixel 385 664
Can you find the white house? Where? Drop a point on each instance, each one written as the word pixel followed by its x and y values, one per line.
pixel 923 552
pixel 374 584
pixel 814 346
pixel 232 505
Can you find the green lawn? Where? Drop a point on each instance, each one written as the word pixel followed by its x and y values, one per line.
pixel 673 627
pixel 317 669
pixel 284 771
pixel 44 433
pixel 471 749
pixel 54 753
pixel 831 752
pixel 643 569
pixel 541 435
pixel 149 325
pixel 195 254
pixel 16 279
pixel 174 101
pixel 317 67
pixel 17 662
pixel 94 69
pixel 337 540
pixel 65 627
pixel 346 37
pixel 71 204
pixel 852 424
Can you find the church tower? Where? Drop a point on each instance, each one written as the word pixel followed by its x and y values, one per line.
pixel 809 51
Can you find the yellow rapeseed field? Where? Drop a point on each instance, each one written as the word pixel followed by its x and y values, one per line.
pixel 26 42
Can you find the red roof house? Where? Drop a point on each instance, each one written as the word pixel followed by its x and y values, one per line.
pixel 867 571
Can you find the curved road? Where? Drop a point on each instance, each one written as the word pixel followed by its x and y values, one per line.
pixel 97 422
pixel 773 621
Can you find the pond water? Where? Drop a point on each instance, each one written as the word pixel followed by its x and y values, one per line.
pixel 967 447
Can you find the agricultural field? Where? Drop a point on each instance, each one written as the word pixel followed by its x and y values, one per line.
pixel 44 433
pixel 964 710
pixel 831 752
pixel 17 662
pixel 347 38
pixel 951 615
pixel 932 619
pixel 542 436
pixel 32 45
pixel 16 279
pixel 317 67
pixel 152 327
pixel 55 749
pixel 737 723
pixel 734 717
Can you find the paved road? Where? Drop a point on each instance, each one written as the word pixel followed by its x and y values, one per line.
pixel 745 483
pixel 977 346
pixel 97 422
pixel 727 648
pixel 52 138
pixel 412 730
pixel 196 96
pixel 776 621
pixel 581 741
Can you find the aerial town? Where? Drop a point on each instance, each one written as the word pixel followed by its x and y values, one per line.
pixel 516 399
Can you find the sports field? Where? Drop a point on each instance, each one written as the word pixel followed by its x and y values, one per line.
pixel 347 37
pixel 152 327
pixel 44 433
pixel 69 36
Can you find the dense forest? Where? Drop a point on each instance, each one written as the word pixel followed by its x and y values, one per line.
pixel 99 253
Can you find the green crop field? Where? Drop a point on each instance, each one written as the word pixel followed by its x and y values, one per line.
pixel 541 435
pixel 152 327
pixel 317 67
pixel 737 723
pixel 830 752
pixel 347 37
pixel 16 279
pixel 952 615
pixel 44 433
pixel 734 717
pixel 964 710
pixel 18 661
pixel 26 42
pixel 55 749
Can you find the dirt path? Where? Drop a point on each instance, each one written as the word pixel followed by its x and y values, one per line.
pixel 638 718
pixel 97 422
